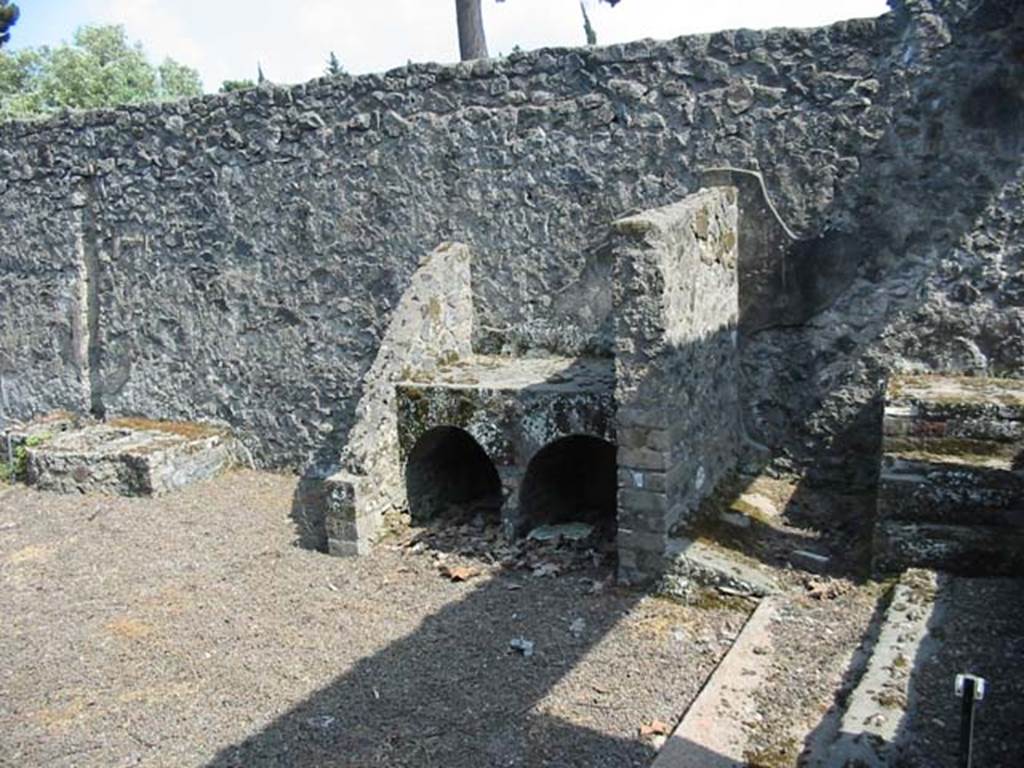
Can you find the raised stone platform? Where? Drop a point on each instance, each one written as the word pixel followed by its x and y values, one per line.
pixel 511 405
pixel 951 482
pixel 513 408
pixel 127 457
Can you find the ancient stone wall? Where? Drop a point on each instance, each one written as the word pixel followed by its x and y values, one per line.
pixel 676 366
pixel 239 257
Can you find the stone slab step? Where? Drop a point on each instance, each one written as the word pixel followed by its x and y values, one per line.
pixel 871 728
pixel 961 549
pixel 711 733
pixel 699 562
pixel 129 457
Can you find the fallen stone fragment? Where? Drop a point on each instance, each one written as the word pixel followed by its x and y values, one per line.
pixel 546 569
pixel 809 561
pixel 521 644
pixel 825 589
pixel 567 531
pixel 577 626
pixel 458 572
pixel 654 728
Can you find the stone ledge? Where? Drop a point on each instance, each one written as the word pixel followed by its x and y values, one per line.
pixel 129 457
pixel 963 549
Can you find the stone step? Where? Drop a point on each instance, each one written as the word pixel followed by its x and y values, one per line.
pixel 951 476
pixel 949 491
pixel 970 550
pixel 974 408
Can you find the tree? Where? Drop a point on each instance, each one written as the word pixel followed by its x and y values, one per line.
pixel 334 67
pixel 588 30
pixel 229 86
pixel 472 41
pixel 100 68
pixel 8 18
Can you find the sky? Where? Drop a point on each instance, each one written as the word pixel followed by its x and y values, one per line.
pixel 292 39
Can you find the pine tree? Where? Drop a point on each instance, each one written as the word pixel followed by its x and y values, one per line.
pixel 334 67
pixel 588 29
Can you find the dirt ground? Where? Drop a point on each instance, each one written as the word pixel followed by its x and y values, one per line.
pixel 981 633
pixel 189 630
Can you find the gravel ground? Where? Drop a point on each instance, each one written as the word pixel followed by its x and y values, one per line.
pixel 812 640
pixel 189 630
pixel 982 633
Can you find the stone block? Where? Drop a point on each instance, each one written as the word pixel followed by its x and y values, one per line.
pixel 643 501
pixel 350 530
pixel 641 541
pixel 642 458
pixel 129 457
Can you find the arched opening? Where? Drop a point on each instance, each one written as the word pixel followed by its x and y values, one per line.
pixel 449 475
pixel 573 479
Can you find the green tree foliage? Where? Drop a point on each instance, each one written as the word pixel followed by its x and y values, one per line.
pixel 100 68
pixel 8 18
pixel 236 85
pixel 588 29
pixel 334 66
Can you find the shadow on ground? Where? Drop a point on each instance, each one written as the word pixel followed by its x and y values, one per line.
pixel 453 694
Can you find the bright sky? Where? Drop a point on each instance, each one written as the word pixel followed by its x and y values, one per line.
pixel 292 39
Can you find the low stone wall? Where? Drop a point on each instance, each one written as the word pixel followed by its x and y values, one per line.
pixel 951 480
pixel 676 313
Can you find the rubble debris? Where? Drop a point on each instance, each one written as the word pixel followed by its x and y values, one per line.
pixel 654 728
pixel 825 588
pixel 810 561
pixel 567 531
pixel 521 644
pixel 458 572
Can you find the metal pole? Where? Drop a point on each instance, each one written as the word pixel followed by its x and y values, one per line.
pixel 970 689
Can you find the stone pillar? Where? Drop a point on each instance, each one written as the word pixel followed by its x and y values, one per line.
pixel 676 309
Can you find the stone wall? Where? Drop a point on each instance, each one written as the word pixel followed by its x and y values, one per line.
pixel 432 325
pixel 676 365
pixel 239 257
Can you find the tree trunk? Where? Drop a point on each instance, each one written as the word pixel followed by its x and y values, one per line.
pixel 472 43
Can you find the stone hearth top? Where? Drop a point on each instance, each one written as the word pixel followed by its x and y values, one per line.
pixel 548 374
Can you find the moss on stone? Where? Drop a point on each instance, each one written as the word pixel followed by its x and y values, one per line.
pixel 636 226
pixel 782 754
pixel 946 449
pixel 951 390
pixel 189 430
